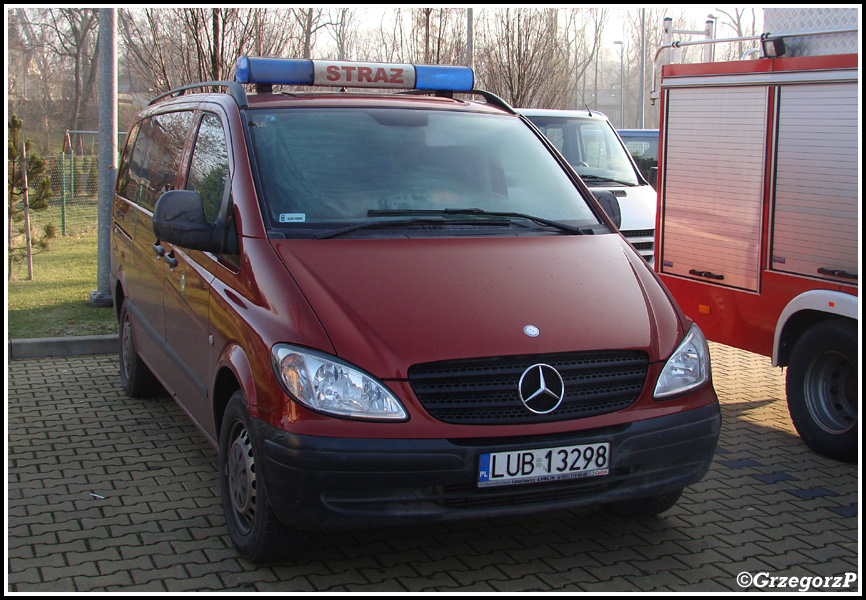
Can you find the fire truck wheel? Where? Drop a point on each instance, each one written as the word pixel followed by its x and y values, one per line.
pixel 822 389
pixel 254 529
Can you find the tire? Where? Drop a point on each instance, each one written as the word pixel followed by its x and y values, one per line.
pixel 254 529
pixel 650 506
pixel 821 385
pixel 136 378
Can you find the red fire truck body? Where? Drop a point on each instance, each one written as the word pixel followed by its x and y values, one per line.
pixel 758 222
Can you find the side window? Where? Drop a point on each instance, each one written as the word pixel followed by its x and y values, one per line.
pixel 637 148
pixel 209 168
pixel 123 171
pixel 167 136
pixel 556 135
pixel 133 173
pixel 152 164
pixel 594 148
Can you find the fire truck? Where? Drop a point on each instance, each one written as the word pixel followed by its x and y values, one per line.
pixel 758 218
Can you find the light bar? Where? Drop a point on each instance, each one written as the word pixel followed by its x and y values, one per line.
pixel 289 71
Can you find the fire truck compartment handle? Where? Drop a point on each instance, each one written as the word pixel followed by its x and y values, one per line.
pixel 837 273
pixel 706 274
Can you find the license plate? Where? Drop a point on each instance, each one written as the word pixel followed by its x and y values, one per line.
pixel 546 464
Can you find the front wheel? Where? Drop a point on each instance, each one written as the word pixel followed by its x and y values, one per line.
pixel 821 385
pixel 136 378
pixel 254 529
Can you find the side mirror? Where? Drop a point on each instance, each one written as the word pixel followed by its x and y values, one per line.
pixel 179 219
pixel 654 177
pixel 610 205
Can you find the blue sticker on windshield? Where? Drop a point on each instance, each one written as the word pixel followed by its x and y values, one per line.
pixel 293 218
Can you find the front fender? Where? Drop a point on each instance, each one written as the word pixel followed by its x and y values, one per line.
pixel 233 359
pixel 825 301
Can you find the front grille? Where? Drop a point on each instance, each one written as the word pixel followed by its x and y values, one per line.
pixel 638 233
pixel 643 241
pixel 485 391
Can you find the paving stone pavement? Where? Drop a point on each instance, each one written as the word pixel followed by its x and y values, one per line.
pixel 110 494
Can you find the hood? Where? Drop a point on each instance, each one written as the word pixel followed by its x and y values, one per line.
pixel 637 205
pixel 388 304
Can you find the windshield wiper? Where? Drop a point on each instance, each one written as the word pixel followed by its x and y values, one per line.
pixel 483 213
pixel 389 223
pixel 606 179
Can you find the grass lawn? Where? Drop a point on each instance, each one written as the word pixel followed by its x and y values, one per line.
pixel 57 302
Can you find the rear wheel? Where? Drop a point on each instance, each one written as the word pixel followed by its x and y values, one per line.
pixel 822 390
pixel 135 376
pixel 255 530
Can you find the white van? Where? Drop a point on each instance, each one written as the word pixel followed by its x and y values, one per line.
pixel 592 147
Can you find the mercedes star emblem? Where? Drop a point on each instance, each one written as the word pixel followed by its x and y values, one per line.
pixel 541 388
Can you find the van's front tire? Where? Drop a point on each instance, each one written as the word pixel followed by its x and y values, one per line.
pixel 254 529
pixel 136 378
pixel 821 385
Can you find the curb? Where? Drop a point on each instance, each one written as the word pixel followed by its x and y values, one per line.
pixel 65 346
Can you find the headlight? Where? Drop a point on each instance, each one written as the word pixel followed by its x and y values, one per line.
pixel 687 369
pixel 328 385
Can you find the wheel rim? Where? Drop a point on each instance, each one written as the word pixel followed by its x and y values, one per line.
pixel 241 476
pixel 830 388
pixel 127 348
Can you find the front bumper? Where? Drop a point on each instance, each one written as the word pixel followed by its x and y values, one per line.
pixel 316 482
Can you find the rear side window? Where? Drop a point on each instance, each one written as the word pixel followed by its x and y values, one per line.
pixel 155 158
pixel 209 169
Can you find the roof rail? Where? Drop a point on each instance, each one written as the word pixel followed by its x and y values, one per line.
pixel 235 89
pixel 489 97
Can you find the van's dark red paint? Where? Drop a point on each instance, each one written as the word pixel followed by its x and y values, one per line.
pixel 206 323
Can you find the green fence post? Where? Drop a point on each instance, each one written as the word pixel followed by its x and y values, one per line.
pixel 72 180
pixel 63 194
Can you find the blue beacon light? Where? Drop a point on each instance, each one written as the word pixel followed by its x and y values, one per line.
pixel 285 71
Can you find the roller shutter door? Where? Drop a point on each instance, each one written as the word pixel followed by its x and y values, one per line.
pixel 815 213
pixel 712 194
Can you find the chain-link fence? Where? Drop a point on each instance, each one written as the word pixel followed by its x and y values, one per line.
pixel 72 208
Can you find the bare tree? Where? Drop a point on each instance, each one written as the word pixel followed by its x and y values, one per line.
pixel 420 35
pixel 742 22
pixel 521 58
pixel 170 47
pixel 582 32
pixel 310 21
pixel 74 38
pixel 653 39
pixel 344 31
pixel 32 80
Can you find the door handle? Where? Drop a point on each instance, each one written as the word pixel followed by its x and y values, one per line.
pixel 707 274
pixel 837 273
pixel 160 253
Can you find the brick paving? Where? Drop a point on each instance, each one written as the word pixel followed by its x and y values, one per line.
pixel 110 494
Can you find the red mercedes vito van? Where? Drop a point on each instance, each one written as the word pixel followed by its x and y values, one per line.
pixel 395 306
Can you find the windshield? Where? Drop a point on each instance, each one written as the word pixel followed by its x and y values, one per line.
pixel 329 168
pixel 590 146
